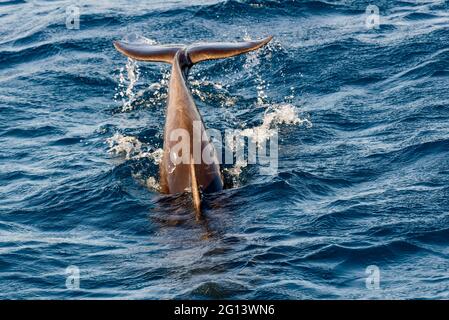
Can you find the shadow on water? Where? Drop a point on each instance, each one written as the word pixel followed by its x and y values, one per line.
pixel 178 211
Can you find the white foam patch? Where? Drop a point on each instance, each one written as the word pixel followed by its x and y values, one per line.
pixel 274 116
pixel 132 148
pixel 151 182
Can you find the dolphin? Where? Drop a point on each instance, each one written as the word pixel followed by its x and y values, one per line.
pixel 195 175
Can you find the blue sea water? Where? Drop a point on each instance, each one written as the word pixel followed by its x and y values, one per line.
pixel 363 177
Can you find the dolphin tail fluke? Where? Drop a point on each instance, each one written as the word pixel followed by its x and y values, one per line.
pixel 146 52
pixel 219 50
pixel 196 52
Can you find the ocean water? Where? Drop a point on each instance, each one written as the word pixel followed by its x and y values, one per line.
pixel 362 190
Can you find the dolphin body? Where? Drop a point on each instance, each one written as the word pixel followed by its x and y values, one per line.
pixel 195 175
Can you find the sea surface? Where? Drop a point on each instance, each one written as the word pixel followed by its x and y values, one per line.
pixel 358 209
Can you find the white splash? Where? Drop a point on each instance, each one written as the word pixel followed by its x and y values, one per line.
pixel 236 170
pixel 150 182
pixel 158 89
pixel 132 148
pixel 251 64
pixel 128 77
pixel 128 80
pixel 274 116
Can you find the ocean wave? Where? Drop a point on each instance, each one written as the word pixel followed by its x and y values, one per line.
pixel 362 175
